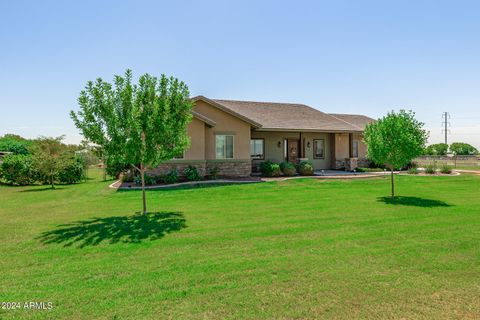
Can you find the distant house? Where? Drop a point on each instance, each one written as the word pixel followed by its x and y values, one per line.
pixel 234 137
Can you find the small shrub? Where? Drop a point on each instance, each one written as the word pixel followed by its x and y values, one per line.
pixel 446 169
pixel 191 173
pixel 374 165
pixel 18 169
pixel 412 170
pixel 270 169
pixel 171 177
pixel 72 172
pixel 158 179
pixel 431 169
pixel 288 168
pixel 149 180
pixel 127 176
pixel 213 174
pixel 305 168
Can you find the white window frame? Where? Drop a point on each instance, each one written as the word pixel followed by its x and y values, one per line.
pixel 263 149
pixel 355 142
pixel 315 149
pixel 225 146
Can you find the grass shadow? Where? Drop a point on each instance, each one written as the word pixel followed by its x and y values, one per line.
pixel 123 229
pixel 41 189
pixel 413 201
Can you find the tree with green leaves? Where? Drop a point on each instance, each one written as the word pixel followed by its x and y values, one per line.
pixel 15 144
pixel 139 124
pixel 463 149
pixel 49 158
pixel 437 149
pixel 395 140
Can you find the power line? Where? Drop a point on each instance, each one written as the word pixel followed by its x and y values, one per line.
pixel 446 124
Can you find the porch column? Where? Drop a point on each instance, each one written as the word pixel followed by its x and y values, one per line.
pixel 350 145
pixel 351 162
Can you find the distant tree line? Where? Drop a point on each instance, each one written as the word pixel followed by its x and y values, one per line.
pixel 457 148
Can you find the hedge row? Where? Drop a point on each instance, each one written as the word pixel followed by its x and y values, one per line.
pixel 20 169
pixel 272 169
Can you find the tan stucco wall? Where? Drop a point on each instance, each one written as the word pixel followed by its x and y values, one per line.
pixel 342 145
pixel 324 163
pixel 225 124
pixel 196 132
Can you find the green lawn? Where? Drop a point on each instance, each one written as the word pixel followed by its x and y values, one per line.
pixel 294 250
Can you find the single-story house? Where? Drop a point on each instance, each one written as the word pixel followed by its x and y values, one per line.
pixel 234 137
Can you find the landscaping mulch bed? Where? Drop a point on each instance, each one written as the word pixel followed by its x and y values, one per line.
pixel 133 186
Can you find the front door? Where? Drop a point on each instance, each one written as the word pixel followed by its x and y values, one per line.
pixel 292 150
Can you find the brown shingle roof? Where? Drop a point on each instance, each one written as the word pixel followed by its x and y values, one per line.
pixel 283 116
pixel 203 118
pixel 358 120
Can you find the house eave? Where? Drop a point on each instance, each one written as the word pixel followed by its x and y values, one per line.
pixel 308 130
pixel 203 118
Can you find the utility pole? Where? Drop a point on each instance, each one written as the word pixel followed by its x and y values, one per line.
pixel 446 125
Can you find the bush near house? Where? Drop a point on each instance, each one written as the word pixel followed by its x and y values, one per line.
pixel 191 174
pixel 213 174
pixel 412 170
pixel 288 168
pixel 305 168
pixel 270 169
pixel 431 169
pixel 149 180
pixel 171 177
pixel 445 169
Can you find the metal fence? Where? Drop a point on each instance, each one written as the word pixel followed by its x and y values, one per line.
pixel 454 161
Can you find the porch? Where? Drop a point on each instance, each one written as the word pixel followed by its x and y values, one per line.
pixel 326 150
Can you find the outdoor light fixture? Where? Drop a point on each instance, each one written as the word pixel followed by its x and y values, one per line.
pixel 279 144
pixel 308 144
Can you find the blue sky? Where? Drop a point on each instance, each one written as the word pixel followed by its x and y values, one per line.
pixel 364 57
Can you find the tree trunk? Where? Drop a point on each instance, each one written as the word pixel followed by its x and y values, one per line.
pixel 104 171
pixel 144 198
pixel 51 181
pixel 393 183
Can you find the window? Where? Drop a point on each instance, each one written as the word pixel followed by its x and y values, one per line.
pixel 224 146
pixel 355 148
pixel 319 149
pixel 257 149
